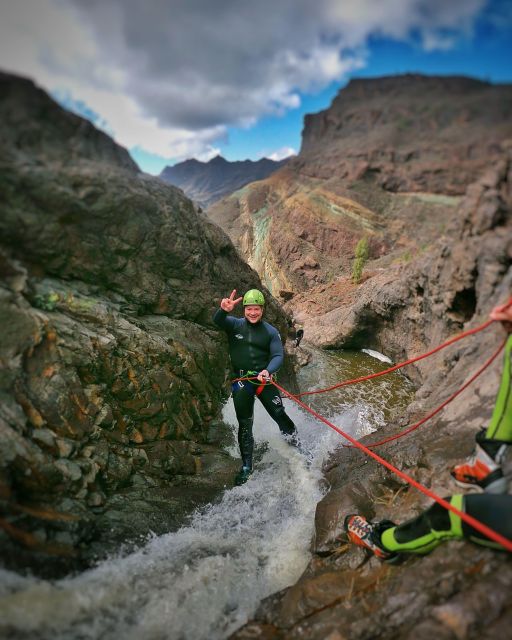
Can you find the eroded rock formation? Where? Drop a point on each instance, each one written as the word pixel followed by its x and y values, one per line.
pixel 459 591
pixel 111 371
pixel 389 160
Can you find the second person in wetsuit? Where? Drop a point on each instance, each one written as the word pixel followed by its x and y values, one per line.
pixel 256 350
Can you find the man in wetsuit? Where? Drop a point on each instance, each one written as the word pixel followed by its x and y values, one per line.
pixel 256 350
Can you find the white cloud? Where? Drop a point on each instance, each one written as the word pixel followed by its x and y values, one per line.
pixel 282 153
pixel 171 76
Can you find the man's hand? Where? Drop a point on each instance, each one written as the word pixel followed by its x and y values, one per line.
pixel 503 313
pixel 228 304
pixel 264 376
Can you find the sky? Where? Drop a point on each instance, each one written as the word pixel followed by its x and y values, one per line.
pixel 177 79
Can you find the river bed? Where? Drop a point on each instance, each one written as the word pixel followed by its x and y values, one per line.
pixel 205 580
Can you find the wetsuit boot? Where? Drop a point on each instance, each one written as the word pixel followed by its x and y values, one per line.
pixel 243 475
pixel 292 438
pixel 246 444
pixel 273 403
pixel 483 472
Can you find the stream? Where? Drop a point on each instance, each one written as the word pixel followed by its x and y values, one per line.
pixel 207 579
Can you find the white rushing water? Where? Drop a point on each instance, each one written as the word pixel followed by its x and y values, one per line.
pixel 378 355
pixel 207 579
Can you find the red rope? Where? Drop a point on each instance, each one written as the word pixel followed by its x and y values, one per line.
pixel 441 406
pixel 418 424
pixel 476 524
pixel 401 364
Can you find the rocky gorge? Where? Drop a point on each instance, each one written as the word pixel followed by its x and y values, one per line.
pixel 459 591
pixel 388 161
pixel 112 371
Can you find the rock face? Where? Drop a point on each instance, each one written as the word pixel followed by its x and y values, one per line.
pixel 387 312
pixel 389 161
pixel 459 591
pixel 411 132
pixel 207 182
pixel 111 370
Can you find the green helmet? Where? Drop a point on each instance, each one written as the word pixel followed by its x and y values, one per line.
pixel 254 296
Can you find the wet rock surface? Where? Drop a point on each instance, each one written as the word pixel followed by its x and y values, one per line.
pixel 112 373
pixel 459 591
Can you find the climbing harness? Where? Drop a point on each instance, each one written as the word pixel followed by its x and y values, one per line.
pixel 473 522
pixel 250 377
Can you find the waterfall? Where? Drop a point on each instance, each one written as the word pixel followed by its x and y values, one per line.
pixel 205 580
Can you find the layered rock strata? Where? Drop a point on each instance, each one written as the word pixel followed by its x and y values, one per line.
pixel 389 161
pixel 460 591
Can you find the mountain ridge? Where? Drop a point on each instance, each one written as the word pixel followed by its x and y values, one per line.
pixel 208 182
pixel 388 160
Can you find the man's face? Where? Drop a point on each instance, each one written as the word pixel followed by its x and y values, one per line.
pixel 253 313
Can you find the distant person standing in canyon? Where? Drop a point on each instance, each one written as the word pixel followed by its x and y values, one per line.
pixel 256 351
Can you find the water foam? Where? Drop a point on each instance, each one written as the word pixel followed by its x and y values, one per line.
pixel 208 578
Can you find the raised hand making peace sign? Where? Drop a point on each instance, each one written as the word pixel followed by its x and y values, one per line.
pixel 228 304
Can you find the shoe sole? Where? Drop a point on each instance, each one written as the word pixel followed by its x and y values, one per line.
pixel 389 557
pixel 240 481
pixel 498 486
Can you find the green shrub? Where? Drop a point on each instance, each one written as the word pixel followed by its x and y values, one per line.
pixel 361 256
pixel 46 301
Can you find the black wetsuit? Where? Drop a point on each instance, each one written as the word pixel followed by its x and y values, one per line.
pixel 423 533
pixel 254 347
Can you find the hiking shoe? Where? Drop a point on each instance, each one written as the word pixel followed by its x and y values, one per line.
pixel 243 475
pixel 364 534
pixel 483 471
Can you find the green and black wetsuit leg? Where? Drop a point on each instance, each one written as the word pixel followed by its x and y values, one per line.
pixel 273 403
pixel 500 426
pixel 243 399
pixel 435 525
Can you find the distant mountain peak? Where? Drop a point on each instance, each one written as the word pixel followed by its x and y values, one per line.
pixel 207 182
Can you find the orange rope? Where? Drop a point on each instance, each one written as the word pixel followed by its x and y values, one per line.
pixel 443 404
pixel 476 524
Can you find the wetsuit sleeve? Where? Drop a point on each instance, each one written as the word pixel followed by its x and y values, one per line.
pixel 222 320
pixel 276 351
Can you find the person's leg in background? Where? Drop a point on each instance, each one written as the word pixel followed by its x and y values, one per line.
pixel 483 471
